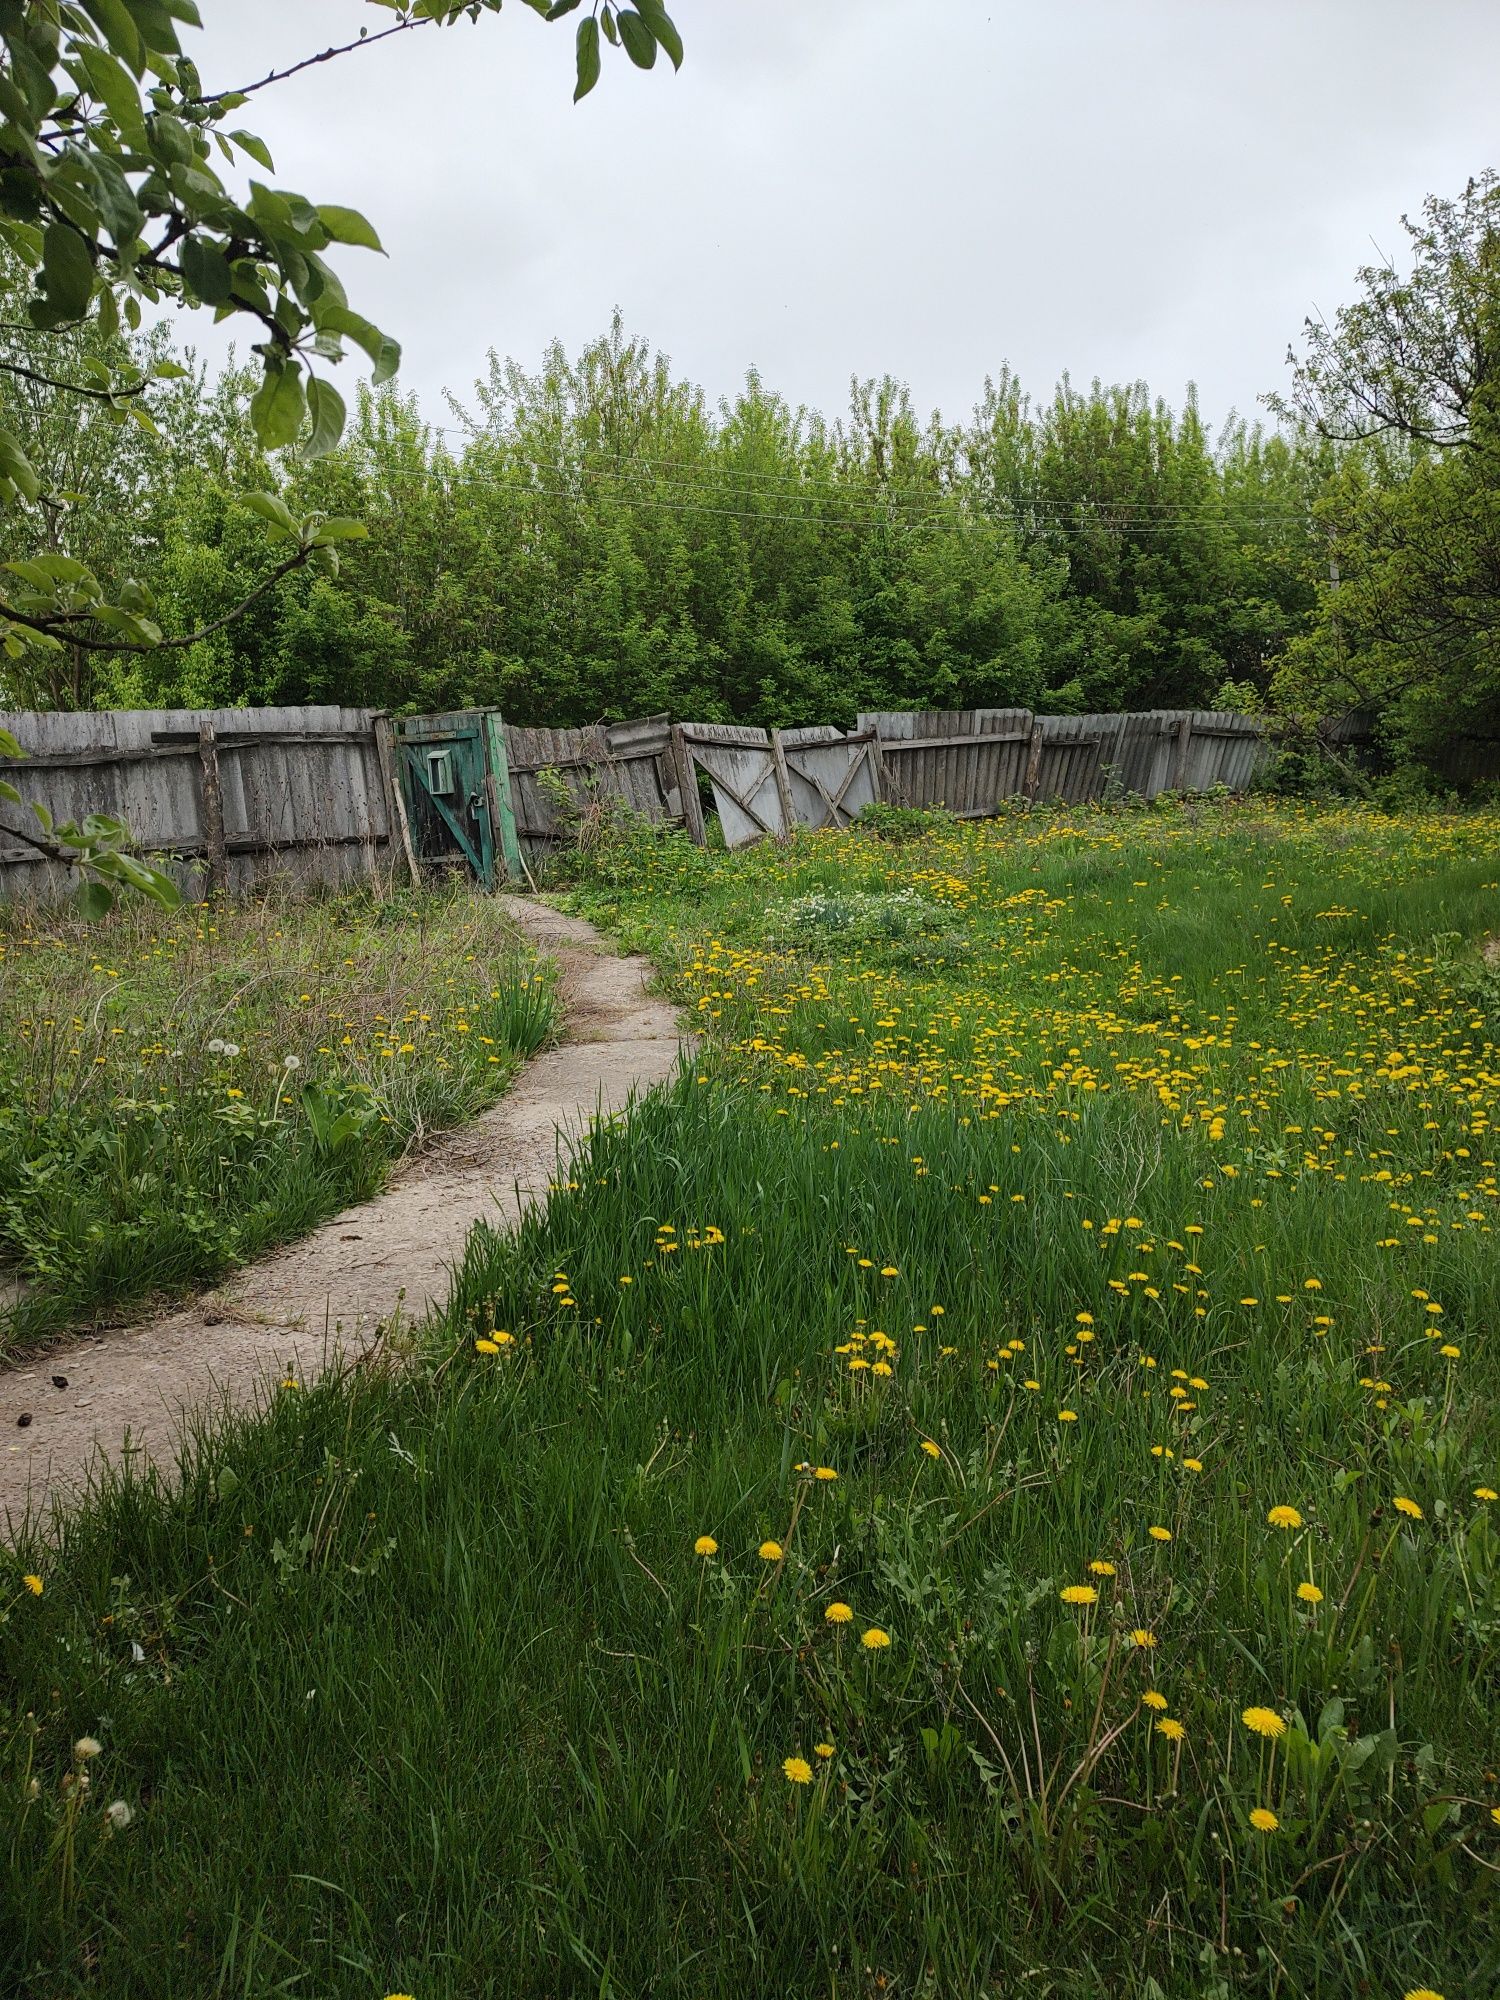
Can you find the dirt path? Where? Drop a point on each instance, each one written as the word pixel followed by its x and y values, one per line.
pixel 337 1288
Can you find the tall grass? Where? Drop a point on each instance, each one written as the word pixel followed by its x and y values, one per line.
pixel 177 1094
pixel 514 1672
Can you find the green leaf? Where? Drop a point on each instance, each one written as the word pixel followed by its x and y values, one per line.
pixel 384 353
pixel 41 813
pixel 271 508
pixel 326 408
pixel 68 269
pixel 279 405
pixel 588 58
pixel 9 792
pixel 640 43
pixel 16 467
pixel 256 148
pixel 93 901
pixel 339 529
pixel 116 90
pixel 347 225
pixel 205 270
pixel 112 19
pixel 659 21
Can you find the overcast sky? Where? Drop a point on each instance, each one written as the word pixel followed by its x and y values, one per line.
pixel 1124 188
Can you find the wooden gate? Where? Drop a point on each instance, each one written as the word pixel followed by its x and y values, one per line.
pixel 456 790
pixel 766 782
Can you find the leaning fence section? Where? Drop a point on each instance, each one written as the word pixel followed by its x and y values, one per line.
pixel 227 797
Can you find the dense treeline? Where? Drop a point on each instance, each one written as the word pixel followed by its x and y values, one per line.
pixel 595 539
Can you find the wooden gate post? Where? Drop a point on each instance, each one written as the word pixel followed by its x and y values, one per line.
pixel 395 804
pixel 687 785
pixel 213 810
pixel 502 811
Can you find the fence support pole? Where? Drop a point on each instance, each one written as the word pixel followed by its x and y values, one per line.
pixel 213 810
pixel 1180 754
pixel 1034 761
pixel 395 804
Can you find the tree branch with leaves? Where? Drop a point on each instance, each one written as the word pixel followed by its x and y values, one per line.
pixel 114 200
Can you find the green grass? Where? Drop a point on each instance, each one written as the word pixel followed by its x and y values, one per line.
pixel 418 1685
pixel 179 1094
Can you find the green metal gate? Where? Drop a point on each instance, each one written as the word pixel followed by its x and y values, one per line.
pixel 456 786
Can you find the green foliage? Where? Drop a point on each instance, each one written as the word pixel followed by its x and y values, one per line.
pixel 900 823
pixel 1403 380
pixel 597 541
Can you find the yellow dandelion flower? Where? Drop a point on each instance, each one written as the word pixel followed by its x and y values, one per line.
pixel 1078 1593
pixel 481 1346
pixel 771 1552
pixel 1160 1534
pixel 1171 1728
pixel 34 1584
pixel 875 1640
pixel 1264 1721
pixel 798 1770
pixel 1192 1465
pixel 825 1472
pixel 1309 1593
pixel 838 1614
pixel 1067 1416
pixel 1284 1517
pixel 1421 1993
pixel 822 1749
pixel 1486 1493
pixel 1154 1698
pixel 705 1546
pixel 1141 1637
pixel 1407 1507
pixel 932 1450
pixel 1264 1820
pixel 1100 1567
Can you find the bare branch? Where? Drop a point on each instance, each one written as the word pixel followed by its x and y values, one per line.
pixel 308 62
pixel 60 627
pixel 69 388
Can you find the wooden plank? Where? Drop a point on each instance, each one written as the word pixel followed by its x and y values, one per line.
pixel 395 803
pixel 898 744
pixel 783 785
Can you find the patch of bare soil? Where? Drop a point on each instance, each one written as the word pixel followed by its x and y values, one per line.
pixel 335 1292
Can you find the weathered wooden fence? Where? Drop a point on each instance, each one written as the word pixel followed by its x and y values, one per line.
pixel 972 760
pixel 230 796
pixel 227 795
